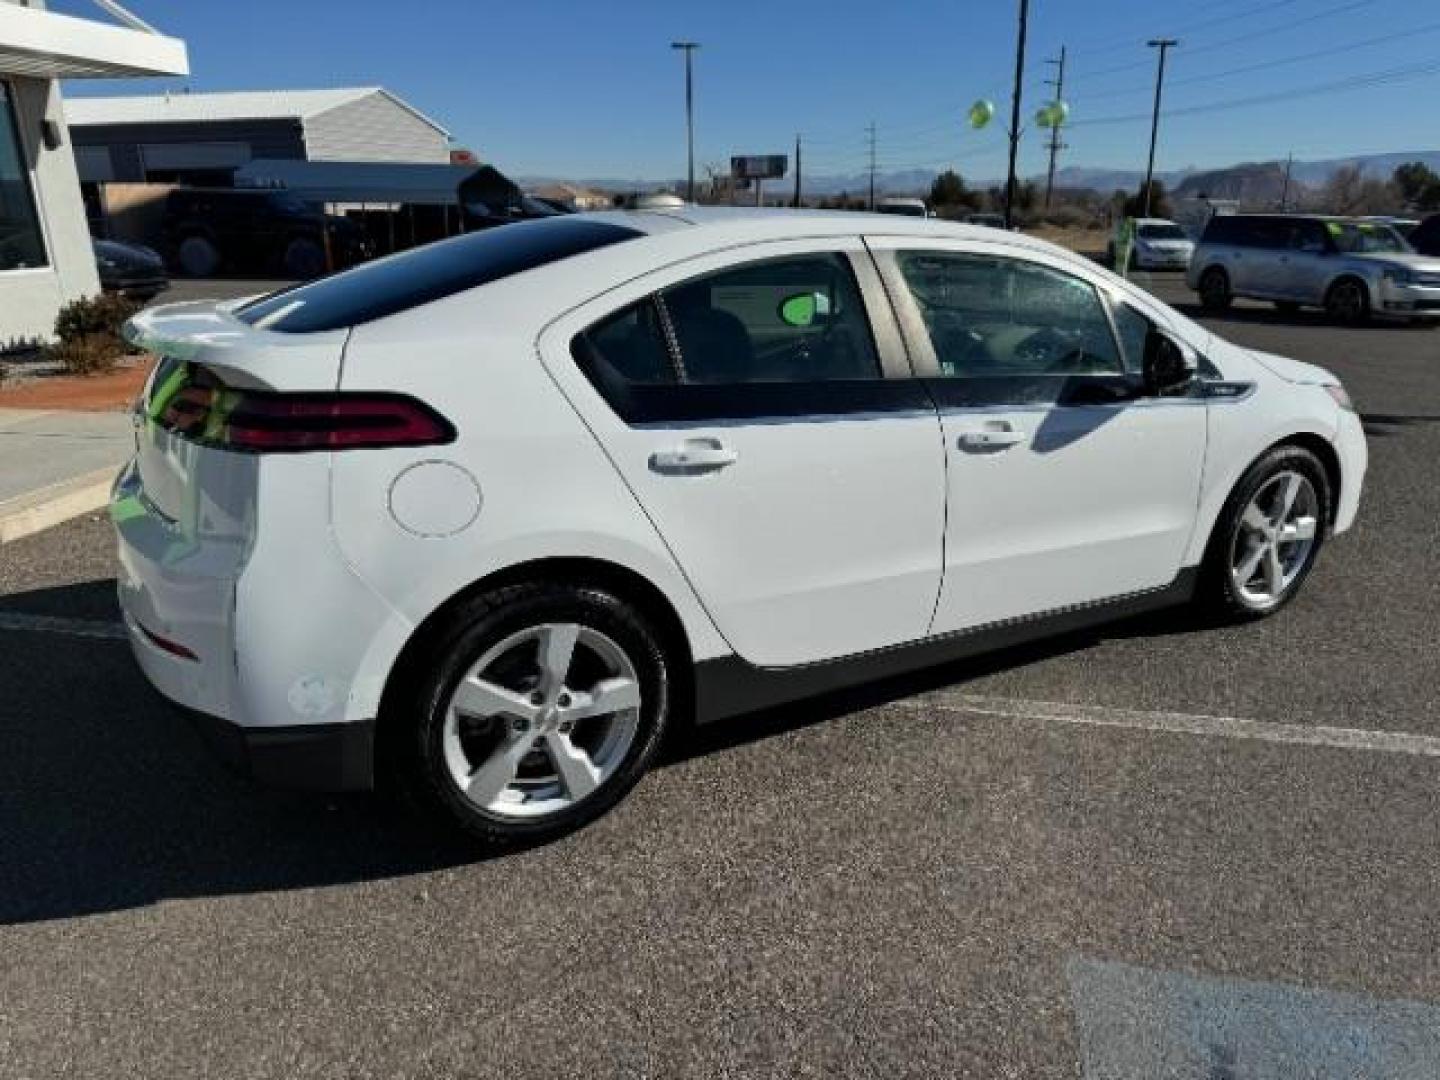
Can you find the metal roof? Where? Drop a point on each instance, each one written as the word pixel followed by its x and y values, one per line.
pixel 236 105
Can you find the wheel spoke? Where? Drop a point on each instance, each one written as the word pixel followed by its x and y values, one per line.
pixel 577 772
pixel 1287 496
pixel 557 648
pixel 610 696
pixel 492 777
pixel 1274 573
pixel 1255 520
pixel 480 697
pixel 1246 570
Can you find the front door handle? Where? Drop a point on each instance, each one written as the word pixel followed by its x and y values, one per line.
pixel 991 438
pixel 694 456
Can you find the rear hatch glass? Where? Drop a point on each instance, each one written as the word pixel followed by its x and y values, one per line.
pixel 407 280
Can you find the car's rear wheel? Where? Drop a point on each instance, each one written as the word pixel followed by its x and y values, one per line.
pixel 1215 294
pixel 1268 535
pixel 1348 302
pixel 197 256
pixel 545 706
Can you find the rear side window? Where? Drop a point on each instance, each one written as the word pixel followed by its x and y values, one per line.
pixel 400 282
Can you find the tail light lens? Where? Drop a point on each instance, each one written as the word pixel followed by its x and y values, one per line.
pixel 205 411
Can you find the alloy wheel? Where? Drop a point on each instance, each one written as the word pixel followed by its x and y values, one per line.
pixel 541 721
pixel 1275 539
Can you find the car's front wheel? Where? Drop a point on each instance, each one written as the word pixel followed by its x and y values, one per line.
pixel 1268 535
pixel 544 706
pixel 1348 302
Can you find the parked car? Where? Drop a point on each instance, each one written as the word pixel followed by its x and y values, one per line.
pixel 257 231
pixel 902 206
pixel 1354 270
pixel 132 270
pixel 489 516
pixel 1157 244
pixel 1425 238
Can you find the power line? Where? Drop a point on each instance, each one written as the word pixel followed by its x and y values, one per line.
pixel 1377 78
pixel 1191 28
pixel 1265 65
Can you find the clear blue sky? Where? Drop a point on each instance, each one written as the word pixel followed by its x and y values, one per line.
pixel 591 89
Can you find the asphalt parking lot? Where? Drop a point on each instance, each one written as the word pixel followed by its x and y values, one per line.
pixel 1163 849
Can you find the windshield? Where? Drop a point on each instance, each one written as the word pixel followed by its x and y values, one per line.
pixel 1161 232
pixel 1367 238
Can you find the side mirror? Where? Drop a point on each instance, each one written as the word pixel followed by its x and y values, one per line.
pixel 1168 366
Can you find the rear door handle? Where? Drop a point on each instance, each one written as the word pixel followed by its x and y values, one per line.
pixel 991 438
pixel 694 456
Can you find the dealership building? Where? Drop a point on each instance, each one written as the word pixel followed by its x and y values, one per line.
pixel 45 255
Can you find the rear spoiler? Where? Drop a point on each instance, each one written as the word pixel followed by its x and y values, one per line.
pixel 208 333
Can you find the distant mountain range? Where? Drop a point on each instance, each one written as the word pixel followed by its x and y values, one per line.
pixel 1251 180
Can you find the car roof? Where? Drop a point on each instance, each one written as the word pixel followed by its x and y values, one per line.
pixel 722 223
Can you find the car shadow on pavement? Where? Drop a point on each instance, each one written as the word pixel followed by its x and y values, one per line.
pixel 110 800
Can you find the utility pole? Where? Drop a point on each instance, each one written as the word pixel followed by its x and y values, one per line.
pixel 1015 113
pixel 1285 193
pixel 797 171
pixel 870 136
pixel 1164 45
pixel 688 48
pixel 1055 144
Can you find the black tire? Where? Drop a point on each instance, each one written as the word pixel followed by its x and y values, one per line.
pixel 1289 307
pixel 1348 302
pixel 1217 591
pixel 1215 294
pixel 197 256
pixel 419 711
pixel 304 259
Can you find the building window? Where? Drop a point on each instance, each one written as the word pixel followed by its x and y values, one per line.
pixel 21 242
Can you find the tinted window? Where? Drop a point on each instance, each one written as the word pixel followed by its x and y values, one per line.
pixel 991 316
pixel 21 242
pixel 1248 231
pixel 429 273
pixel 631 345
pixel 1134 328
pixel 782 320
pixel 1161 232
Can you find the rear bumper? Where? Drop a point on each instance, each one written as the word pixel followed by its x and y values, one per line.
pixel 308 757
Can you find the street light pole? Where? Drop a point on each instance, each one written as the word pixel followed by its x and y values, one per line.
pixel 1015 113
pixel 689 47
pixel 1164 45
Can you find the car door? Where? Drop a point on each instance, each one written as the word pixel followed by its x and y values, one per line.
pixel 754 402
pixel 1309 259
pixel 1066 484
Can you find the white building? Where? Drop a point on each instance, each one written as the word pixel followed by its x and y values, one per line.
pixel 206 137
pixel 45 255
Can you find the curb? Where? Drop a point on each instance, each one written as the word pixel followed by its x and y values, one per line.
pixel 38 510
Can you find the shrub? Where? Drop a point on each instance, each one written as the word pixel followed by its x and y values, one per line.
pixel 90 315
pixel 88 354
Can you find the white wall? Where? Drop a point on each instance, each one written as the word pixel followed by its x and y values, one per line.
pixel 30 299
pixel 375 128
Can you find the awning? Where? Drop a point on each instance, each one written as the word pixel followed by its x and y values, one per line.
pixel 47 45
pixel 362 182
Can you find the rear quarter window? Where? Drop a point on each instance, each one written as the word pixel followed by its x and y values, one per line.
pixel 412 278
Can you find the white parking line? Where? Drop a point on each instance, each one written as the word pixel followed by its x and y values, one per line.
pixel 1229 727
pixel 105 629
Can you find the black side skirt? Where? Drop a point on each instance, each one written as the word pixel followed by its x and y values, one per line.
pixel 730 686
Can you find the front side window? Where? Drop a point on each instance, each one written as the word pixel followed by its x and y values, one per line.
pixel 990 316
pixel 22 244
pixel 1367 238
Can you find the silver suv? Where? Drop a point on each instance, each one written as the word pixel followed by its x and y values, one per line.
pixel 1355 270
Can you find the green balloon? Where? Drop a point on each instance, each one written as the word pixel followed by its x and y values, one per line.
pixel 981 113
pixel 1053 115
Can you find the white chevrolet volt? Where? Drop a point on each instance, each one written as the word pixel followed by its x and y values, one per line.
pixel 489 516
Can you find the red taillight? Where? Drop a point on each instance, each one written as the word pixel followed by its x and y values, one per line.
pixel 272 422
